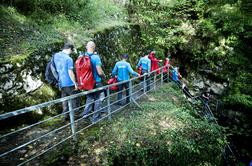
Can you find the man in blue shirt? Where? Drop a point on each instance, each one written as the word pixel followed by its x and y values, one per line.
pixel 122 69
pixel 93 99
pixel 146 67
pixel 67 82
pixel 175 75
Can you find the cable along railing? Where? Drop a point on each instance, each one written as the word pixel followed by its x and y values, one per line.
pixel 28 143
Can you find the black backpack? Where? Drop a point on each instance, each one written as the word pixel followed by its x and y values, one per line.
pixel 51 74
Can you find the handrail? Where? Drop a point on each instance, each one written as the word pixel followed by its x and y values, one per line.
pixel 49 103
pixel 71 111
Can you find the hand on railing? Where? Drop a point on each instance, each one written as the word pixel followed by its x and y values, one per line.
pixel 75 86
pixel 147 74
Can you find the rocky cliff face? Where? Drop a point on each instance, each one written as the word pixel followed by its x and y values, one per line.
pixel 21 76
pixel 15 81
pixel 201 81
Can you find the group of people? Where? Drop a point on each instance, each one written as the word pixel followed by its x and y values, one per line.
pixel 67 81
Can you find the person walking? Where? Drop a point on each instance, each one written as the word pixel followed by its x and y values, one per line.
pixel 175 75
pixel 167 67
pixel 123 70
pixel 93 101
pixel 154 62
pixel 67 82
pixel 145 62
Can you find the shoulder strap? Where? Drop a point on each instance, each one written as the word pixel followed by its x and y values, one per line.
pixel 87 55
pixel 53 60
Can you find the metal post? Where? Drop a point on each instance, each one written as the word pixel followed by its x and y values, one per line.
pixel 144 84
pixel 132 100
pixel 108 104
pixel 71 114
pixel 168 72
pixel 154 84
pixel 130 90
pixel 162 77
pixel 217 103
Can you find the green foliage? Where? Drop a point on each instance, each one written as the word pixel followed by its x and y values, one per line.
pixel 215 33
pixel 240 101
pixel 240 93
pixel 34 24
pixel 84 11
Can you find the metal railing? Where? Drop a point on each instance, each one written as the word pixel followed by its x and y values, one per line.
pixel 18 146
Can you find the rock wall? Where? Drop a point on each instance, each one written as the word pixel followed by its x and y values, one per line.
pixel 201 82
pixel 22 75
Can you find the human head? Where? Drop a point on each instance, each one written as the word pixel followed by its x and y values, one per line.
pixel 152 51
pixel 125 56
pixel 68 48
pixel 90 46
pixel 152 54
pixel 146 53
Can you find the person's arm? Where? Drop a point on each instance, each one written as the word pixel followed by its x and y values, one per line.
pixel 71 73
pixel 99 70
pixel 114 70
pixel 139 63
pixel 204 95
pixel 72 77
pixel 149 66
pixel 131 71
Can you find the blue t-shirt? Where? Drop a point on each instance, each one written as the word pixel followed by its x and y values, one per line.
pixel 96 61
pixel 175 75
pixel 145 62
pixel 122 69
pixel 63 63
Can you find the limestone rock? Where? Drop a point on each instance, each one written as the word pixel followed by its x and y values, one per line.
pixel 5 68
pixel 30 83
pixel 217 88
pixel 199 85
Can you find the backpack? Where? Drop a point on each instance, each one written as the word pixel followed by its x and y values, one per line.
pixel 51 74
pixel 139 70
pixel 112 81
pixel 85 78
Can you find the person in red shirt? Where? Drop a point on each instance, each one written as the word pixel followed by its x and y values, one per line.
pixel 154 62
pixel 166 69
